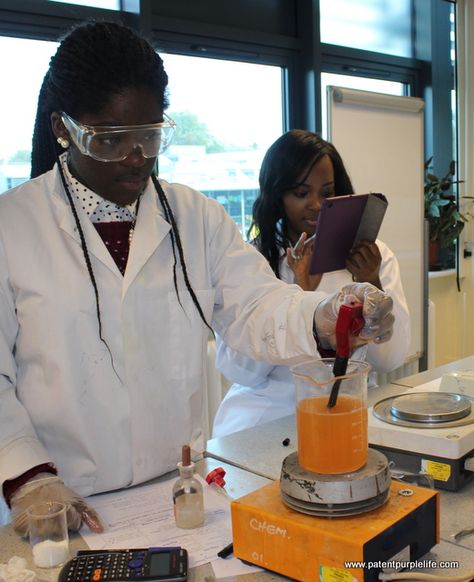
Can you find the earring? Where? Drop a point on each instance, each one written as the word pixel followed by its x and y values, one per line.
pixel 63 142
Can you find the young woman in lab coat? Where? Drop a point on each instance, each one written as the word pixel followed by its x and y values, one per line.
pixel 299 171
pixel 110 279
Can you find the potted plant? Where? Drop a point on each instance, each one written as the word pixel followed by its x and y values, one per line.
pixel 442 212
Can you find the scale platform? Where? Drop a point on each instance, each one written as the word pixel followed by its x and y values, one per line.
pixel 438 441
pixel 268 533
pixel 335 495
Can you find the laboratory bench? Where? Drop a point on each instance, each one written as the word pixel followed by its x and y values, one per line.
pixel 422 377
pixel 253 457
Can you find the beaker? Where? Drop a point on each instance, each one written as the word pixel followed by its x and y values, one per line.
pixel 331 440
pixel 47 526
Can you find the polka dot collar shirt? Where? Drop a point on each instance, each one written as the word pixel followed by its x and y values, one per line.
pixel 98 209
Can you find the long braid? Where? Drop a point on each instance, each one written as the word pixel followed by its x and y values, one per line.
pixel 166 209
pixel 175 235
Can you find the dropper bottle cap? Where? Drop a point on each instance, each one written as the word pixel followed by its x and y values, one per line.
pixel 186 466
pixel 186 455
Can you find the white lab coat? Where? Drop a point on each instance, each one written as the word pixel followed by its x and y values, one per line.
pixel 264 392
pixel 60 399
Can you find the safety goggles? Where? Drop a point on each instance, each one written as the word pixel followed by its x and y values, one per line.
pixel 115 143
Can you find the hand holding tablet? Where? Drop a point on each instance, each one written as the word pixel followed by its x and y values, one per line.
pixel 342 223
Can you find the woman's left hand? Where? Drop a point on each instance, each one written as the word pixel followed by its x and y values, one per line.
pixel 299 258
pixel 364 263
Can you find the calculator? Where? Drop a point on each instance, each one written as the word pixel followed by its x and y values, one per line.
pixel 131 565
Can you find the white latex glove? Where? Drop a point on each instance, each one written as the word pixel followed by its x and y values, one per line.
pixel 48 487
pixel 377 313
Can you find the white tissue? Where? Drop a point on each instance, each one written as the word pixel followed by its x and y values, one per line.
pixel 15 570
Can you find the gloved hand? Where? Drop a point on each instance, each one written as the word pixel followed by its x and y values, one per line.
pixel 377 313
pixel 48 487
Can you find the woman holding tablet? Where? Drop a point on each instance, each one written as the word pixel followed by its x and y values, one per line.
pixel 299 171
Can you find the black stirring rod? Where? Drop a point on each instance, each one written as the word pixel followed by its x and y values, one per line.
pixel 349 322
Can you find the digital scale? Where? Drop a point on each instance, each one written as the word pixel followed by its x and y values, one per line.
pixel 429 429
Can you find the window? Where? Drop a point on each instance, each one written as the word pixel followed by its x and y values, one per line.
pixel 382 26
pixel 452 41
pixel 445 257
pixel 109 4
pixel 227 113
pixel 25 75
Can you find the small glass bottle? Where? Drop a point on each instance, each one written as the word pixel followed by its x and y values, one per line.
pixel 188 497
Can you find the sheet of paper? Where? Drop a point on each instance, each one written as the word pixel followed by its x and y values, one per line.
pixel 143 517
pixel 232 567
pixel 432 386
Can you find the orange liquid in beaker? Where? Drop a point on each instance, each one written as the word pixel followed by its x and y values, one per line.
pixel 332 440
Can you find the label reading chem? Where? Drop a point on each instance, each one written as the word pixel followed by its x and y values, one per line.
pixel 269 528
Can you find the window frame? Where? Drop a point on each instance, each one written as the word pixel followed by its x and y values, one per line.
pixel 47 20
pixel 299 52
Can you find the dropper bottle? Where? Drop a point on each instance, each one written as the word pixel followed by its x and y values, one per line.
pixel 188 497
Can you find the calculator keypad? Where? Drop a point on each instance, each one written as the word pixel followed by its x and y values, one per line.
pixel 106 567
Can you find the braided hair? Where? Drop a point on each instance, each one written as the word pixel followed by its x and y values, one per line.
pixel 94 61
pixel 290 157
